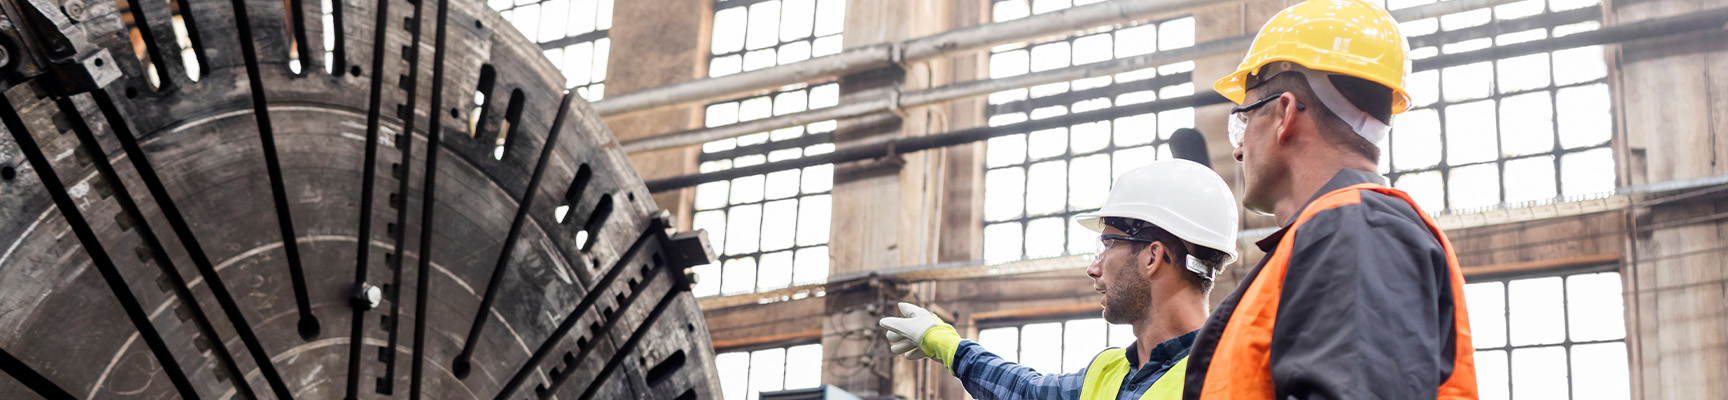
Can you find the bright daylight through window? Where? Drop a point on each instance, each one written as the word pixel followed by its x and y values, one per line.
pixel 744 375
pixel 1507 131
pixel 1035 182
pixel 1055 347
pixel 1567 334
pixel 572 33
pixel 770 230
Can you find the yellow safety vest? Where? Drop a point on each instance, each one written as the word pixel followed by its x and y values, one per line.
pixel 1104 378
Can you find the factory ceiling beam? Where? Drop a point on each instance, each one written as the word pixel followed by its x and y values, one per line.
pixel 955 42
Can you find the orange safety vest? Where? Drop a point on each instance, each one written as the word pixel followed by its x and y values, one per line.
pixel 1241 365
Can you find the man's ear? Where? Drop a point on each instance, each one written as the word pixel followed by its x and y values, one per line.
pixel 1287 107
pixel 1149 258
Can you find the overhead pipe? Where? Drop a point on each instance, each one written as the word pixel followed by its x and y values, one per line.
pixel 889 100
pixel 1690 22
pixel 885 54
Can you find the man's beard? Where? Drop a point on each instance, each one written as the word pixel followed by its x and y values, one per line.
pixel 1126 301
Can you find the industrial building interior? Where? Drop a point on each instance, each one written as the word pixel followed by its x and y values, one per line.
pixel 777 175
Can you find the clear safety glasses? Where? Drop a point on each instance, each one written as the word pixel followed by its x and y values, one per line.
pixel 1239 118
pixel 1104 242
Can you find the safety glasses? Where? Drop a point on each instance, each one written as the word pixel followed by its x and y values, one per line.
pixel 1239 118
pixel 1105 240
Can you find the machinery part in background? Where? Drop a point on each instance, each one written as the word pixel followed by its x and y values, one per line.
pixel 262 162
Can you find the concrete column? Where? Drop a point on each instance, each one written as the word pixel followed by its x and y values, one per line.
pixel 657 43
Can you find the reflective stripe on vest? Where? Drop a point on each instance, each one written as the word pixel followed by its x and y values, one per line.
pixel 1104 378
pixel 1241 363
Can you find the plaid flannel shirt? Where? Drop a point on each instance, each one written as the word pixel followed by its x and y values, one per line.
pixel 986 376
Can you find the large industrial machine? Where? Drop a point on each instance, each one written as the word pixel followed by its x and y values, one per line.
pixel 195 203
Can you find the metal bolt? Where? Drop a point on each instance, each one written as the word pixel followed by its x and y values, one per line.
pixel 368 296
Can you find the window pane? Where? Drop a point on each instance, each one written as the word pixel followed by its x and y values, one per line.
pixel 813 218
pixel 1002 242
pixel 1539 373
pixel 1416 140
pixel 739 276
pixel 1044 237
pixel 1135 130
pixel 714 221
pixel 1424 88
pixel 1004 342
pixel 1587 172
pixel 1126 160
pixel 748 189
pixel 1090 137
pixel 708 281
pixel 810 266
pixel 1582 64
pixel 1089 180
pixel 1537 312
pixel 1529 179
pixel 743 229
pixel 1175 34
pixel 1047 143
pixel 1036 349
pixel 1474 186
pixel 1470 133
pixel 1586 117
pixel 804 366
pixel 1046 187
pixel 1009 10
pixel 796 19
pixel 734 374
pixel 774 271
pixel 728 31
pixel 767 371
pixel 1595 307
pixel 1526 124
pixel 818 178
pixel 779 224
pixel 1426 188
pixel 1092 49
pixel 1121 335
pixel 1081 340
pixel 1003 190
pixel 764 25
pixel 784 184
pixel 1465 82
pixel 1137 40
pixel 1600 371
pixel 1006 64
pixel 1487 307
pixel 830 17
pixel 1080 239
pixel 1491 373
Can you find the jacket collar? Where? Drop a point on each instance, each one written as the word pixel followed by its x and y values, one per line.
pixel 1344 178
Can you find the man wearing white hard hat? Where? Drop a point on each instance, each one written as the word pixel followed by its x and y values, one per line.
pixel 1165 232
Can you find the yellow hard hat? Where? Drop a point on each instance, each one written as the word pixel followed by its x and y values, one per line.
pixel 1347 37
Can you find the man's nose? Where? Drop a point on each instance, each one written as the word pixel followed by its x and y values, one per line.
pixel 1095 270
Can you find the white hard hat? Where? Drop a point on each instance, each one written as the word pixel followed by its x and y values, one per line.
pixel 1180 196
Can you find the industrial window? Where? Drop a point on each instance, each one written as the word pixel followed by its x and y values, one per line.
pixel 744 375
pixel 770 230
pixel 1077 342
pixel 572 33
pixel 1504 131
pixel 756 34
pixel 1549 337
pixel 1035 182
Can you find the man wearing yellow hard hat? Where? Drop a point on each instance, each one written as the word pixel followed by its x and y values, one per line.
pixel 1359 295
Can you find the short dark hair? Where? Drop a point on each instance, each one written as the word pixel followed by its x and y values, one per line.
pixel 1372 98
pixel 1178 250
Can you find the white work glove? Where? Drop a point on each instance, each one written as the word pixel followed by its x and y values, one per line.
pixel 921 334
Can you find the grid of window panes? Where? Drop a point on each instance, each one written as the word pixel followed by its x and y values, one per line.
pixel 744 375
pixel 770 230
pixel 1547 337
pixel 1079 341
pixel 1517 130
pixel 572 33
pixel 756 34
pixel 1035 182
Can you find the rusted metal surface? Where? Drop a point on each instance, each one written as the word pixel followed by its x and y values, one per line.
pixel 189 160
